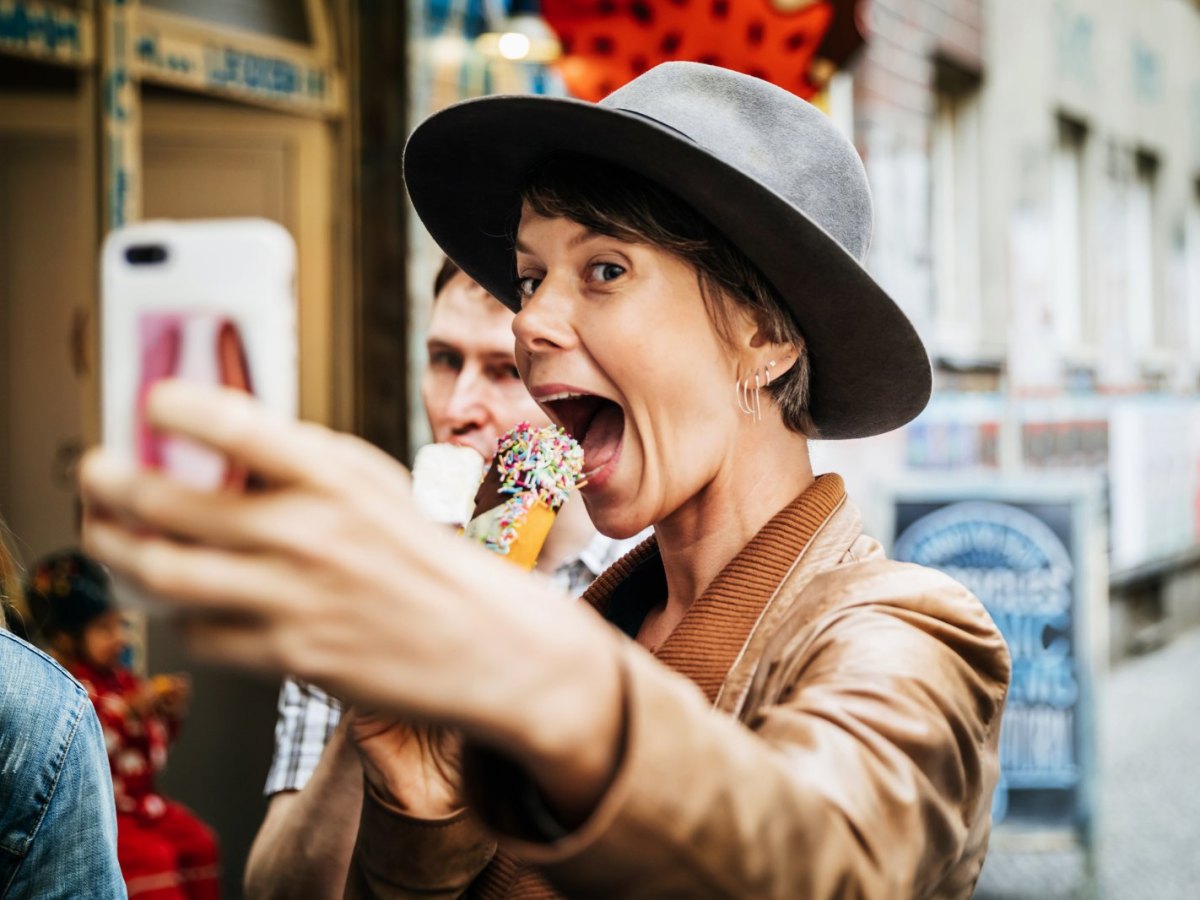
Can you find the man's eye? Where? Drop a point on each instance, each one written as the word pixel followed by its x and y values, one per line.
pixel 506 373
pixel 607 271
pixel 526 286
pixel 445 359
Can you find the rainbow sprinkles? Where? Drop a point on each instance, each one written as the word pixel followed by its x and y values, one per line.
pixel 534 465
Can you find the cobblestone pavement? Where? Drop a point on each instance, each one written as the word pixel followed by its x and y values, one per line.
pixel 1149 799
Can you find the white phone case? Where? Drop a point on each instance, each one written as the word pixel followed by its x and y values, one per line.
pixel 240 271
pixel 209 300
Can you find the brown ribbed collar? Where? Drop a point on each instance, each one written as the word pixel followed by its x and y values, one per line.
pixel 707 641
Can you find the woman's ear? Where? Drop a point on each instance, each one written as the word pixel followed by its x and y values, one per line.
pixel 757 347
pixel 759 337
pixel 774 357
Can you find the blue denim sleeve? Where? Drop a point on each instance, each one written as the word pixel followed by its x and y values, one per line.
pixel 58 834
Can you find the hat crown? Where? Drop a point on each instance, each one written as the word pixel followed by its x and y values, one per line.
pixel 770 134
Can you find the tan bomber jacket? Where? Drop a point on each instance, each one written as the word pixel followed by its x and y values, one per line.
pixel 851 752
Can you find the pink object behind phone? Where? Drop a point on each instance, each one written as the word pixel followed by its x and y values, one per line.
pixel 210 301
pixel 159 341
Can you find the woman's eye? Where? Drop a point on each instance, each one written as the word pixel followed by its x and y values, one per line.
pixel 607 271
pixel 526 286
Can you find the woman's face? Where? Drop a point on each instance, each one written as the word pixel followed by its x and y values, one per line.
pixel 614 341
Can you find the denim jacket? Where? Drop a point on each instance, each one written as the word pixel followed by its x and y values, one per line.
pixel 58 826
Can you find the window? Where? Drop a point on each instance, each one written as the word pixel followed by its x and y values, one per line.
pixel 840 95
pixel 955 187
pixel 1192 278
pixel 1067 222
pixel 1143 312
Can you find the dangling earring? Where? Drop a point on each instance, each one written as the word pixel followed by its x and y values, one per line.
pixel 741 389
pixel 766 378
pixel 751 405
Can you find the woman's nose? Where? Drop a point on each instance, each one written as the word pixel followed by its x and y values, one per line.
pixel 544 322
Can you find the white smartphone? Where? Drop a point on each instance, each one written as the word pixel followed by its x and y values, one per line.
pixel 208 300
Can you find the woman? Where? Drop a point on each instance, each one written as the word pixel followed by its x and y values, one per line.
pixel 793 716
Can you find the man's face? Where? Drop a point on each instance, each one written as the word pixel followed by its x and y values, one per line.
pixel 471 389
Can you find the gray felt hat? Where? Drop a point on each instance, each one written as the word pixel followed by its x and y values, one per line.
pixel 769 170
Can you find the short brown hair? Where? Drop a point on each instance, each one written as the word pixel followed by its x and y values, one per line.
pixel 445 273
pixel 612 200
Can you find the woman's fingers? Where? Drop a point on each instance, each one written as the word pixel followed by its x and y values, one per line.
pixel 159 502
pixel 280 451
pixel 218 639
pixel 193 576
pixel 240 427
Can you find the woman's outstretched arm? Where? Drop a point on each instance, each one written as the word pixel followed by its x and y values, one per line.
pixel 328 572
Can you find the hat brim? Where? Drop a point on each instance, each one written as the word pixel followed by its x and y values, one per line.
pixel 464 168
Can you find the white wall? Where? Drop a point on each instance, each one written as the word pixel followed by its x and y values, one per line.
pixel 1130 73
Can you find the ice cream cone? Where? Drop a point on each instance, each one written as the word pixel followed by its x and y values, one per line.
pixel 529 481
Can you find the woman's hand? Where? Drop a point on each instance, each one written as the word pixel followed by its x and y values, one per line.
pixel 329 572
pixel 415 768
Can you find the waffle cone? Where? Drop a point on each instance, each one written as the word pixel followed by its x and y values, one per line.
pixel 531 536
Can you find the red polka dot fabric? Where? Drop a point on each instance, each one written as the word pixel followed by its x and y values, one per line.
pixel 609 42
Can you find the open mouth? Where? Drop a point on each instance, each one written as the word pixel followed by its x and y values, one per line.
pixel 597 423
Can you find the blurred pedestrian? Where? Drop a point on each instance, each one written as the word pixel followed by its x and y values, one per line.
pixel 165 851
pixel 58 828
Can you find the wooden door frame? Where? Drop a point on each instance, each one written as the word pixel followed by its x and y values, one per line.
pixel 310 149
pixel 69 118
pixel 119 45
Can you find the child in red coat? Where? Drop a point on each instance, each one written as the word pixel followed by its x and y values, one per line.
pixel 165 851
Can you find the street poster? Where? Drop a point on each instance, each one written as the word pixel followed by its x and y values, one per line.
pixel 1030 552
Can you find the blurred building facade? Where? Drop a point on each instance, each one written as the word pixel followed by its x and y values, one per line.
pixel 115 111
pixel 1036 170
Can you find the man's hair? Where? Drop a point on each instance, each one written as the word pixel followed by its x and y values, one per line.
pixel 614 201
pixel 445 273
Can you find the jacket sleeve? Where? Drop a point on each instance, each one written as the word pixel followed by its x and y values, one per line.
pixel 863 769
pixel 74 853
pixel 400 856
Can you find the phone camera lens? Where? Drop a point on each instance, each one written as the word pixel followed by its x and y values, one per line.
pixel 146 254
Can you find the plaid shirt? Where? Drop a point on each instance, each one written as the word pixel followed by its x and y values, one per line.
pixel 307 715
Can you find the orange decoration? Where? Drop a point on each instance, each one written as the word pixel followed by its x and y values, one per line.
pixel 609 42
